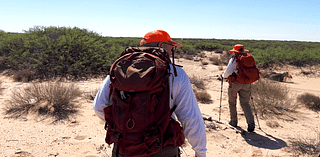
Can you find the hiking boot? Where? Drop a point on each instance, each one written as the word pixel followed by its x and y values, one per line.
pixel 251 127
pixel 233 123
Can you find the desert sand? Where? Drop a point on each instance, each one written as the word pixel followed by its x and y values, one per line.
pixel 83 134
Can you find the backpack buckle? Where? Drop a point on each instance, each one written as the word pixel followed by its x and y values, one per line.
pixel 133 123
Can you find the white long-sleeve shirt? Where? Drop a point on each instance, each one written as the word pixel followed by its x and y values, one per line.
pixel 232 67
pixel 187 111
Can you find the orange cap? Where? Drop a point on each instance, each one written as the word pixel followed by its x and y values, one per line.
pixel 158 36
pixel 236 49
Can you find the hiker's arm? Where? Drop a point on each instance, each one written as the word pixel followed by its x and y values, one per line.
pixel 101 99
pixel 232 65
pixel 188 113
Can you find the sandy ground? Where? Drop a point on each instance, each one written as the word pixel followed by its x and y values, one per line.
pixel 83 135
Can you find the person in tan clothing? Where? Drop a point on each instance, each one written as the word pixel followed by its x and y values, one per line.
pixel 237 85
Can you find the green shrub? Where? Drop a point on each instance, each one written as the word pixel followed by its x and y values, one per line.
pixel 64 51
pixel 61 51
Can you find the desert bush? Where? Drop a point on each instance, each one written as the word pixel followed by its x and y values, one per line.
pixel 272 124
pixel 306 145
pixel 1 89
pixel 215 60
pixel 25 75
pixel 311 101
pixel 189 57
pixel 271 97
pixel 53 99
pixel 203 97
pixel 197 81
pixel 61 51
pixel 225 57
pixel 218 51
pixel 204 62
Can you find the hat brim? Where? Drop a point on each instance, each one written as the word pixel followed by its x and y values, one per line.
pixel 178 45
pixel 236 51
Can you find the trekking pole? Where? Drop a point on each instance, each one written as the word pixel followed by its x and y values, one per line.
pixel 255 111
pixel 221 97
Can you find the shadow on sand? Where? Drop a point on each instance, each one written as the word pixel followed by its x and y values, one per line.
pixel 260 141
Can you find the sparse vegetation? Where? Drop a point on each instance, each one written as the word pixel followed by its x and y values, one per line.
pixel 310 101
pixel 44 99
pixel 197 81
pixel 203 97
pixel 188 57
pixel 25 75
pixel 306 145
pixel 272 124
pixel 61 51
pixel 204 62
pixel 1 89
pixel 271 97
pixel 215 60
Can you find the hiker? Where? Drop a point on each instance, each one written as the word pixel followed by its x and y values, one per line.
pixel 240 83
pixel 183 107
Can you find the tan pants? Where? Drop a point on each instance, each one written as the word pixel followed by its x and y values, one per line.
pixel 244 95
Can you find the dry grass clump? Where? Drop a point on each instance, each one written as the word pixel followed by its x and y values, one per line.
pixel 306 145
pixel 201 55
pixel 225 57
pixel 204 62
pixel 197 81
pixel 311 101
pixel 215 60
pixel 203 97
pixel 272 124
pixel 24 75
pixel 1 89
pixel 189 57
pixel 271 98
pixel 44 99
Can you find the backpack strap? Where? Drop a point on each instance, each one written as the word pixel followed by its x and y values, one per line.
pixel 173 108
pixel 174 67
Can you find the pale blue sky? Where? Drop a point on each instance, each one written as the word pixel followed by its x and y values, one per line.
pixel 246 19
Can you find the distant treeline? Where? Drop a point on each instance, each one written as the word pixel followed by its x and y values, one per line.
pixel 61 51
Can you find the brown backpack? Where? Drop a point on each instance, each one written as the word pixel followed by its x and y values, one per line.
pixel 139 120
pixel 247 70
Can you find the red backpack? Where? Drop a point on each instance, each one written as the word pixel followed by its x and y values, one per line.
pixel 247 70
pixel 139 120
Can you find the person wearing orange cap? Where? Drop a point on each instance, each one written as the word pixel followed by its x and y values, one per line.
pixel 237 86
pixel 187 110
